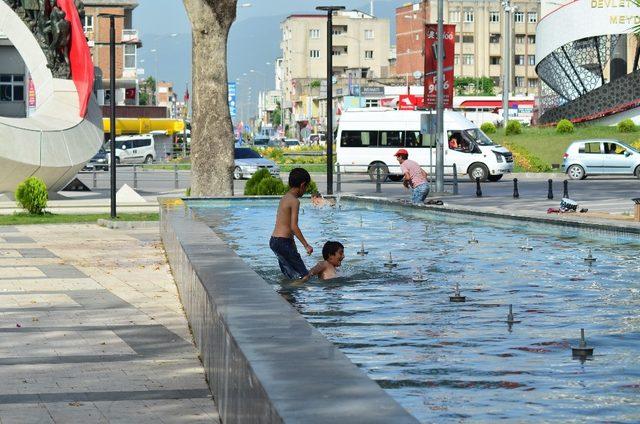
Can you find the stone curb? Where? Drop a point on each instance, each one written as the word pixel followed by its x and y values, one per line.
pixel 127 225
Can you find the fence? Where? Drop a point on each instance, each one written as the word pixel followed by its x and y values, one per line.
pixel 151 177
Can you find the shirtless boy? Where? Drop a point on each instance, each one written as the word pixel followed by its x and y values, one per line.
pixel 333 254
pixel 282 242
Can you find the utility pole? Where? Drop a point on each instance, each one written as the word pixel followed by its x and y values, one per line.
pixel 440 102
pixel 330 10
pixel 506 64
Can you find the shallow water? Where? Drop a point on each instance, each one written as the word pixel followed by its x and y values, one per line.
pixel 461 361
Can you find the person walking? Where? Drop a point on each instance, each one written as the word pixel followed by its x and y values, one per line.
pixel 413 177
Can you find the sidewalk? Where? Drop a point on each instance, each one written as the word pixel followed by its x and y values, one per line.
pixel 92 330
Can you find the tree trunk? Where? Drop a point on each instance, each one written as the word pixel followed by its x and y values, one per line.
pixel 211 126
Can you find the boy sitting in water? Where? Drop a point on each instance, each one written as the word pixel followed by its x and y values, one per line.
pixel 333 254
pixel 282 242
pixel 319 201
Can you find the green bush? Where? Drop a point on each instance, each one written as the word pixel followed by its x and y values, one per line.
pixel 564 126
pixel 187 192
pixel 271 186
pixel 32 195
pixel 488 128
pixel 627 126
pixel 312 187
pixel 513 128
pixel 250 189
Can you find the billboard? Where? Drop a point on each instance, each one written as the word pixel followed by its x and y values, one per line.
pixel 431 64
pixel 232 90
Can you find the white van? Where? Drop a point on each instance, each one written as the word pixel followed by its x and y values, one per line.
pixel 369 138
pixel 135 149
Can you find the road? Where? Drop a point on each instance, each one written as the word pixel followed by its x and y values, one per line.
pixel 608 194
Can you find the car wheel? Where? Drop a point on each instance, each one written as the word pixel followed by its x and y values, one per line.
pixel 237 173
pixel 148 159
pixel 117 160
pixel 478 170
pixel 373 171
pixel 637 173
pixel 576 172
pixel 494 178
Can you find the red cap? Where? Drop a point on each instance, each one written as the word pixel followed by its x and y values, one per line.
pixel 401 152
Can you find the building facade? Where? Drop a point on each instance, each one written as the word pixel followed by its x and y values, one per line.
pixel 360 51
pixel 13 81
pixel 127 42
pixel 410 20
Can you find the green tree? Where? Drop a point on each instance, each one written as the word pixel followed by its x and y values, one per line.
pixel 276 116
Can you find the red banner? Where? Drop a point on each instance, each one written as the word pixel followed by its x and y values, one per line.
pixel 431 64
pixel 79 55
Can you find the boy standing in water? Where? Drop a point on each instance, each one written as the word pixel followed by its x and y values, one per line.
pixel 282 242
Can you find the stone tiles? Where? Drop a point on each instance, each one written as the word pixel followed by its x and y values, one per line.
pixel 92 330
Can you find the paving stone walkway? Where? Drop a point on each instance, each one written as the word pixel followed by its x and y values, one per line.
pixel 92 330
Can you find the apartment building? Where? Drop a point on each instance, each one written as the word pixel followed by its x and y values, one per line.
pixel 360 50
pixel 127 44
pixel 14 77
pixel 410 41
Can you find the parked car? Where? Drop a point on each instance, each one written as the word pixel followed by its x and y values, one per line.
pixel 291 142
pixel 98 162
pixel 261 141
pixel 598 157
pixel 318 139
pixel 248 162
pixel 135 149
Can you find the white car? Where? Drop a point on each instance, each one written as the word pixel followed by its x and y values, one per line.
pixel 598 157
pixel 248 162
pixel 135 149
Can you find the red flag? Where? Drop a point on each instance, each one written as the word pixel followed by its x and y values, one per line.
pixel 186 95
pixel 79 55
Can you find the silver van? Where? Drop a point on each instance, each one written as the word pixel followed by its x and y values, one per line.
pixel 598 157
pixel 135 149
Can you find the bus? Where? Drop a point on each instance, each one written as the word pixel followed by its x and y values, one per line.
pixel 368 139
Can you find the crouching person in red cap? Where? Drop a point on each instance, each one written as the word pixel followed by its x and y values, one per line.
pixel 414 177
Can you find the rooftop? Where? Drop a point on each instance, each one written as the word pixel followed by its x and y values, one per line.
pixel 124 3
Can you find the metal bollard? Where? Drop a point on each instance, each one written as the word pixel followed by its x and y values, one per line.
pixel 338 179
pixel 455 179
pixel 135 177
pixel 478 189
pixel 550 192
pixel 378 185
pixel 516 193
pixel 566 189
pixel 95 178
pixel 175 173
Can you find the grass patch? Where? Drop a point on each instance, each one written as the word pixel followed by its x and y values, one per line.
pixel 51 218
pixel 549 146
pixel 310 167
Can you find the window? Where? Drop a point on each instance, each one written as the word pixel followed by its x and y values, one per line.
pixel 415 139
pixel 369 34
pixel 368 54
pixel 532 17
pixel 454 16
pixel 128 144
pixel 494 60
pixel 390 139
pixel 494 38
pixel 88 23
pixel 519 59
pixel 11 88
pixel 371 103
pixel 141 143
pixel 589 148
pixel 468 16
pixel 533 83
pixel 531 60
pixel 494 16
pixel 467 59
pixel 314 54
pixel 314 33
pixel 359 139
pixel 130 56
pixel 519 81
pixel 519 39
pixel 467 39
pixel 456 59
pixel 531 39
pixel 518 17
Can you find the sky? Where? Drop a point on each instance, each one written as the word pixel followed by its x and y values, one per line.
pixel 254 39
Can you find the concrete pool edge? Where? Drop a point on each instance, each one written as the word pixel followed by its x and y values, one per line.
pixel 563 220
pixel 264 362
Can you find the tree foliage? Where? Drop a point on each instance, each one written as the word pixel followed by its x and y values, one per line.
pixel 470 86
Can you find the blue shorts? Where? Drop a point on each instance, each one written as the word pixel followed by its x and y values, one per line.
pixel 420 193
pixel 291 264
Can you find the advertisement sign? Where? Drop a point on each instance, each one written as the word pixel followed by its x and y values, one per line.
pixel 31 96
pixel 231 87
pixel 431 64
pixel 371 91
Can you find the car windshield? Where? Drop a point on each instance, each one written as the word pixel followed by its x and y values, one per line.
pixel 291 142
pixel 626 146
pixel 246 154
pixel 478 137
pixel 260 141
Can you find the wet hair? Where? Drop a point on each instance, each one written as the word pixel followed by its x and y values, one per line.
pixel 331 248
pixel 403 156
pixel 298 176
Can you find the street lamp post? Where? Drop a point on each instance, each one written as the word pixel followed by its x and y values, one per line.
pixel 440 103
pixel 506 73
pixel 330 10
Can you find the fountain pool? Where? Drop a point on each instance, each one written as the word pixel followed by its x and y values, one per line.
pixel 447 361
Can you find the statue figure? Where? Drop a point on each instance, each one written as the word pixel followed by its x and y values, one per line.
pixel 32 11
pixel 80 7
pixel 60 43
